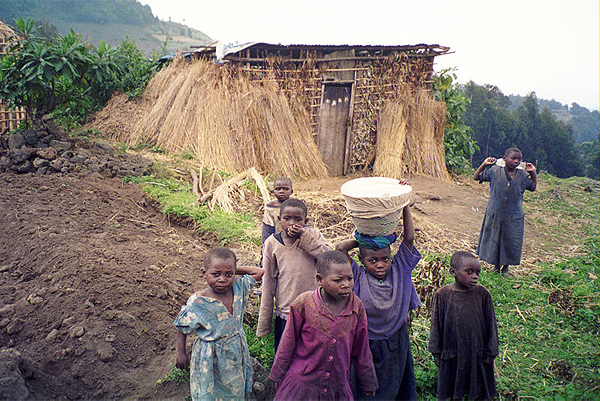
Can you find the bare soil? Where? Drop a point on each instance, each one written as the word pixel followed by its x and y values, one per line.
pixel 92 276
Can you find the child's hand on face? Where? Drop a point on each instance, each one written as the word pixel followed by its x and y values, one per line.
pixel 403 182
pixel 489 161
pixel 182 361
pixel 295 230
pixel 530 168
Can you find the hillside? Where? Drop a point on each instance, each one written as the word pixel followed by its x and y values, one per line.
pixel 108 20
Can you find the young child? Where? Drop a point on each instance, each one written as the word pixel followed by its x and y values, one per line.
pixel 220 367
pixel 385 287
pixel 326 332
pixel 289 264
pixel 501 238
pixel 282 189
pixel 463 337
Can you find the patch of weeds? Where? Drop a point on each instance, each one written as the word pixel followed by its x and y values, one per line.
pixel 177 199
pixel 262 348
pixel 175 375
pixel 186 155
pixel 121 147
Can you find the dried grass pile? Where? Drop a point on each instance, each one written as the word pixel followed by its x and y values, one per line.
pixel 410 137
pixel 228 122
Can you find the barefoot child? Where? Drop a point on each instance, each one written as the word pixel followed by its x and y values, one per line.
pixel 463 337
pixel 326 332
pixel 385 287
pixel 289 263
pixel 501 238
pixel 282 189
pixel 220 365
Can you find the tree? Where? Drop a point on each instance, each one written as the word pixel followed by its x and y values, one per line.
pixel 458 144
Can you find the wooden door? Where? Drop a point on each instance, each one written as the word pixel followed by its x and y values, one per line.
pixel 333 126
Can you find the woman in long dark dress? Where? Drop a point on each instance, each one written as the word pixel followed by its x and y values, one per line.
pixel 501 238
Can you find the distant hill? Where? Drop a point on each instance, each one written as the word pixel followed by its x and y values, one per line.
pixel 585 123
pixel 108 20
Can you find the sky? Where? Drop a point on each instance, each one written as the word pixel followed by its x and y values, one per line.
pixel 549 47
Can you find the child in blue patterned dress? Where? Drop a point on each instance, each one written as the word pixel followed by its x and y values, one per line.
pixel 220 363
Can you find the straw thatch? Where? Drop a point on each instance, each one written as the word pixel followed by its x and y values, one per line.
pixel 410 136
pixel 226 121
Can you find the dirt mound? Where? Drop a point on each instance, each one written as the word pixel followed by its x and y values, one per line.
pixel 91 279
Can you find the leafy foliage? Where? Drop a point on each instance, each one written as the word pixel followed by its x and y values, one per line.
pixel 458 144
pixel 67 76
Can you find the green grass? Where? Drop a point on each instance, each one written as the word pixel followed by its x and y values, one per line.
pixel 177 200
pixel 175 375
pixel 547 350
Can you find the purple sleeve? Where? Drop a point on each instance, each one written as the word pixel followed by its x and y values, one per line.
pixel 362 358
pixel 405 259
pixel 287 344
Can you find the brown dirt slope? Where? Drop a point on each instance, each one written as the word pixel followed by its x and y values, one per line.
pixel 91 279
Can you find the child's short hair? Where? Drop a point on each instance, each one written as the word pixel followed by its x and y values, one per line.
pixel 456 261
pixel 293 202
pixel 218 253
pixel 327 258
pixel 285 180
pixel 512 150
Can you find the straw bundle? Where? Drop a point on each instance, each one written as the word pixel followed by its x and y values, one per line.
pixel 228 122
pixel 410 137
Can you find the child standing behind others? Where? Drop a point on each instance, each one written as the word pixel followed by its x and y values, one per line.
pixel 220 365
pixel 385 287
pixel 288 260
pixel 463 336
pixel 501 238
pixel 282 189
pixel 326 332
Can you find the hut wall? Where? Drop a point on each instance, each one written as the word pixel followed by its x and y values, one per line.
pixel 373 82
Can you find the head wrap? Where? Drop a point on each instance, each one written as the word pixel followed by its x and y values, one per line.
pixel 367 241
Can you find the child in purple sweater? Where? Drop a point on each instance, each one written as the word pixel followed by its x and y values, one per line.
pixel 325 333
pixel 385 287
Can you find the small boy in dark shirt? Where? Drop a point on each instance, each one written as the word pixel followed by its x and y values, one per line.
pixel 463 337
pixel 282 189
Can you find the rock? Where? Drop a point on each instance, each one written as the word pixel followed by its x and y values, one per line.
pixel 4 162
pixel 26 167
pixel 126 318
pixel 77 159
pixel 12 382
pixel 56 164
pixel 4 268
pixel 47 153
pixel 47 139
pixel 109 337
pixel 105 352
pixel 105 147
pixel 76 331
pixel 68 321
pixel 15 326
pixel 30 136
pixel 44 170
pixel 18 156
pixel 52 335
pixel 4 322
pixel 60 146
pixel 38 162
pixel 7 310
pixel 16 141
pixel 34 299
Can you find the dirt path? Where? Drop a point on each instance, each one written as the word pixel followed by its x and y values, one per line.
pixel 91 276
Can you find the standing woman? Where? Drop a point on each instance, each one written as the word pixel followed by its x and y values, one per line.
pixel 501 238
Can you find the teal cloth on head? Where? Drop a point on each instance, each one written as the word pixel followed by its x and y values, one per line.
pixel 367 241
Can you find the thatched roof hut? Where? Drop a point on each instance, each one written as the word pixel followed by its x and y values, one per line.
pixel 364 106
